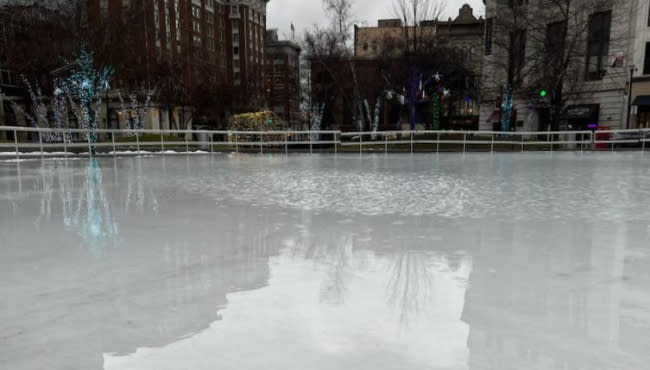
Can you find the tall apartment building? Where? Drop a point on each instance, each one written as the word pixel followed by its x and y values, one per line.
pixel 212 48
pixel 606 36
pixel 283 78
pixel 205 57
pixel 247 22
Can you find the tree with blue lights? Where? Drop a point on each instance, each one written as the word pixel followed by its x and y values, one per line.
pixel 85 85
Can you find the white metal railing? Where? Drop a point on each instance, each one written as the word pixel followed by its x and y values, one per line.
pixel 113 141
pixel 466 138
pixel 34 138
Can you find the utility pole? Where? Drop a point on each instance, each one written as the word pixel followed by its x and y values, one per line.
pixel 629 96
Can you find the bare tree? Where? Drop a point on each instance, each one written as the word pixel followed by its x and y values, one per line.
pixel 419 18
pixel 416 17
pixel 541 46
pixel 334 43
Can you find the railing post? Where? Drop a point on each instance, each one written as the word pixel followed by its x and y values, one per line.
pixel 187 145
pixel 360 141
pixel 552 140
pixel 236 143
pixel 335 143
pixel 137 142
pixel 491 142
pixel 162 144
pixel 643 144
pixel 464 141
pixel 438 142
pixel 113 141
pixel 286 143
pixel 40 143
pixel 385 143
pixel 16 144
pixel 90 151
pixel 411 141
pixel 262 143
pixel 310 143
pixel 65 146
pixel 522 142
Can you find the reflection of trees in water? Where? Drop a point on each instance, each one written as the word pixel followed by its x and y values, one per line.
pixel 136 194
pixel 333 289
pixel 85 209
pixel 411 284
pixel 91 216
pixel 328 247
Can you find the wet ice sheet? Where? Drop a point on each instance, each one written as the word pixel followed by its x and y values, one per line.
pixel 297 262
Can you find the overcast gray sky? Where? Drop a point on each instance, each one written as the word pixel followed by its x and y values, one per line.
pixel 304 13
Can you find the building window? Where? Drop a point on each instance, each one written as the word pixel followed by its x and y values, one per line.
pixel 554 43
pixel 518 51
pixel 646 60
pixel 103 9
pixel 489 24
pixel 196 12
pixel 235 50
pixel 598 44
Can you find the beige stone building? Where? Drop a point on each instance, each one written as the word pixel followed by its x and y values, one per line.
pixel 459 40
pixel 640 43
pixel 607 42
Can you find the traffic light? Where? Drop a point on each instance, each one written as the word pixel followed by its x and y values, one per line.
pixel 542 93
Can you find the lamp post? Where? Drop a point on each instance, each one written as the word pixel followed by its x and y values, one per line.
pixel 629 96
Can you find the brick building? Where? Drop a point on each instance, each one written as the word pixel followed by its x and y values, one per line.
pixel 283 78
pixel 205 58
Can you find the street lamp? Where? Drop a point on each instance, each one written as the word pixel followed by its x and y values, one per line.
pixel 629 96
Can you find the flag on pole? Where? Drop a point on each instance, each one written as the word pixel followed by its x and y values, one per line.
pixel 293 32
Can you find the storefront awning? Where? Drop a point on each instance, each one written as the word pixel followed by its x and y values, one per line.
pixel 587 111
pixel 642 101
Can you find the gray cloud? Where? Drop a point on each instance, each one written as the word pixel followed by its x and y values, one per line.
pixel 304 13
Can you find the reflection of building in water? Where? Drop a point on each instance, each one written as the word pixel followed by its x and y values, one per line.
pixel 552 296
pixel 148 293
pixel 421 265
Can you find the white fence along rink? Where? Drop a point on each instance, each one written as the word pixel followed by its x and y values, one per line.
pixel 29 141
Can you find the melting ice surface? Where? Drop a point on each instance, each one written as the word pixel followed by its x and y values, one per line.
pixel 510 261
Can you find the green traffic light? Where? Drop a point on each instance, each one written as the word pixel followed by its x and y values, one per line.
pixel 542 93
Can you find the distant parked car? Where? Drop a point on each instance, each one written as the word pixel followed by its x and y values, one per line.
pixel 631 138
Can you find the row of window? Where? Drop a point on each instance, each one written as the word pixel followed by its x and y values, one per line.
pixel 598 38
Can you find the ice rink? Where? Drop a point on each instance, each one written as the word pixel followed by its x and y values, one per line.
pixel 536 261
